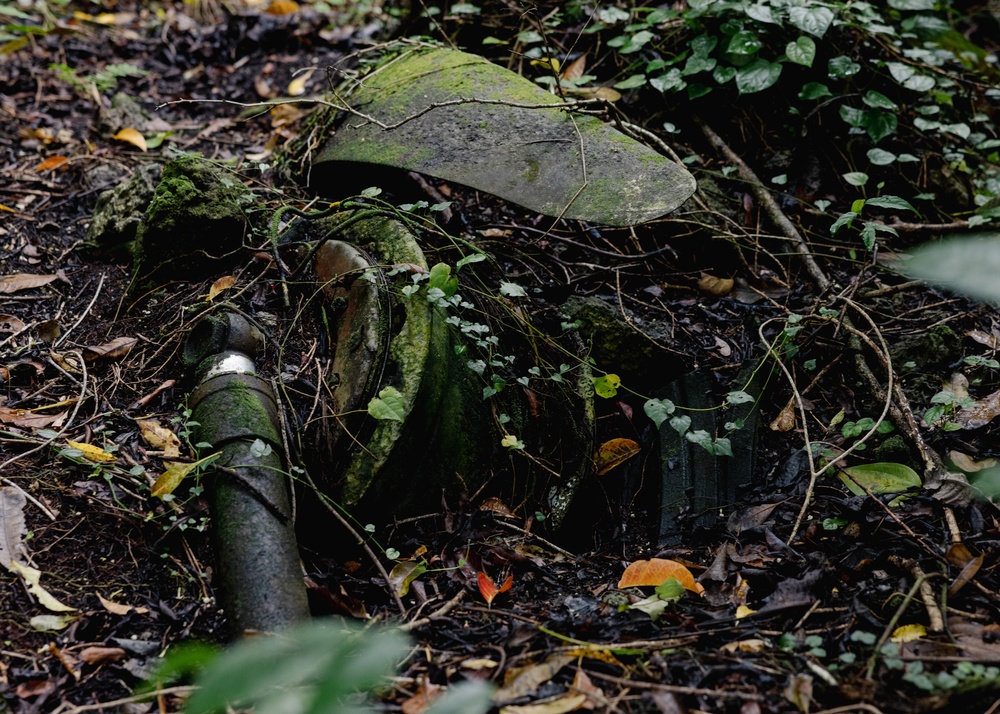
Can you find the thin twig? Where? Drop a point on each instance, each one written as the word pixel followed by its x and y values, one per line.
pixel 90 306
pixel 186 689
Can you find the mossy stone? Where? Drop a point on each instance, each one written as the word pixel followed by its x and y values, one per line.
pixel 120 211
pixel 194 225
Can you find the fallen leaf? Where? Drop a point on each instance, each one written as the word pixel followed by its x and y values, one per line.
pixel 403 574
pixel 23 281
pixel 576 68
pixel 960 556
pixel 785 421
pixel 879 478
pixel 966 463
pixel 131 136
pixel 11 323
pixel 656 571
pixel 743 611
pixel 50 623
pixel 12 525
pixel 175 473
pixel 27 419
pixel 497 507
pixel 223 283
pixel 613 453
pixel 799 691
pixel 712 285
pixel 92 453
pixel 479 663
pixel 984 338
pixel 117 348
pixel 51 163
pixel 160 438
pixel 34 687
pixel 100 655
pixel 606 93
pixel 981 413
pixel 750 646
pixel 282 7
pixel 531 678
pixel 427 692
pixel 559 705
pixel 116 608
pixel 908 633
pixel 31 577
pixel 488 589
pixel 297 87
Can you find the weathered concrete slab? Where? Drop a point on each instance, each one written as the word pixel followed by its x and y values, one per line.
pixel 458 117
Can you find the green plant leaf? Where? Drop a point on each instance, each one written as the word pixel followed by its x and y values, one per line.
pixel 739 397
pixel 814 90
pixel 842 66
pixel 744 43
pixel 880 478
pixel 512 290
pixel 441 279
pixel 659 410
pixel 606 385
pixel 801 51
pixel 757 76
pixel 856 178
pixel 879 124
pixel 389 405
pixel 966 265
pixel 891 202
pixel 633 82
pixel 680 424
pixel 881 157
pixel 811 18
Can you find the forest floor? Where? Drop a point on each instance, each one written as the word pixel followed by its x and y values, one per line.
pixel 815 599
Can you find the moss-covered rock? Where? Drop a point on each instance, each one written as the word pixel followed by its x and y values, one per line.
pixel 194 222
pixel 120 211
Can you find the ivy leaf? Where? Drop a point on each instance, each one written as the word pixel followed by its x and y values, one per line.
pixel 757 76
pixel 856 178
pixel 512 290
pixel 738 397
pixel 814 90
pixel 881 157
pixel 812 19
pixel 680 424
pixel 389 405
pixel 802 51
pixel 842 66
pixel 879 124
pixel 658 410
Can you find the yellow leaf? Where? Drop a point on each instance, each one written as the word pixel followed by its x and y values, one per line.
pixel 477 664
pixel 176 472
pixel 715 286
pixel 92 453
pixel 282 7
pixel 908 633
pixel 223 283
pixel 160 438
pixel 612 453
pixel 750 646
pixel 31 577
pixel 297 87
pixel 743 611
pixel 657 571
pixel 131 136
pixel 785 421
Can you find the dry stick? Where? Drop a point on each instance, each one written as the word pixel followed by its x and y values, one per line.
pixel 935 619
pixel 770 205
pixel 97 293
pixel 127 700
pixel 436 615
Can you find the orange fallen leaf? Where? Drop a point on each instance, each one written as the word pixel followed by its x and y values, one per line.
pixel 785 421
pixel 51 163
pixel 131 136
pixel 575 69
pixel 282 7
pixel 100 655
pixel 612 453
pixel 656 571
pixel 489 590
pixel 223 283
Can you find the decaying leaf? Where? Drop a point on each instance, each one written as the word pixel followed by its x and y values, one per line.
pixel 100 655
pixel 404 573
pixel 613 453
pixel 656 571
pixel 12 526
pixel 488 589
pixel 966 463
pixel 606 385
pixel 176 472
pixel 160 438
pixel 91 452
pixel 712 285
pixel 27 419
pixel 131 136
pixel 984 338
pixel 23 281
pixel 51 163
pixel 115 349
pixel 50 623
pixel 981 413
pixel 576 68
pixel 497 507
pixel 908 633
pixel 116 608
pixel 220 285
pixel 785 421
pixel 31 577
pixel 960 556
pixel 531 678
pixel 560 705
pixel 11 323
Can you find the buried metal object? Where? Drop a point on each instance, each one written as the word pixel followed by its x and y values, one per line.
pixel 458 117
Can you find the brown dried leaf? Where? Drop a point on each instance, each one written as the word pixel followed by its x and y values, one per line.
pixel 27 419
pixel 160 438
pixel 981 413
pixel 613 453
pixel 984 338
pixel 23 281
pixel 715 286
pixel 117 348
pixel 100 655
pixel 12 525
pixel 497 508
pixel 131 136
pixel 966 463
pixel 785 421
pixel 223 283
pixel 576 68
pixel 118 609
